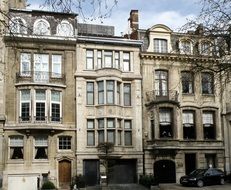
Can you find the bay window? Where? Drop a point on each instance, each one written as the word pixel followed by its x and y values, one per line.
pixel 100 92
pixel 40 105
pixel 110 91
pixel 111 130
pixel 100 130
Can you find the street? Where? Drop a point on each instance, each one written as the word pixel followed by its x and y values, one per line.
pixel 227 186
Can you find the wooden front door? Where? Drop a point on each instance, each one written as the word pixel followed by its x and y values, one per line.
pixel 64 173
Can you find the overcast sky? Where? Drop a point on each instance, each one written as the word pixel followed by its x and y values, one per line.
pixel 173 13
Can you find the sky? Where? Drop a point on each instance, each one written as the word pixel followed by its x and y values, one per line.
pixel 173 13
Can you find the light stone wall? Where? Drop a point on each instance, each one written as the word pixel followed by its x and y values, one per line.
pixel 85 112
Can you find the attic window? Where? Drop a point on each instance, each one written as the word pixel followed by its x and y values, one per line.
pixel 18 25
pixel 41 27
pixel 185 47
pixel 64 29
pixel 160 46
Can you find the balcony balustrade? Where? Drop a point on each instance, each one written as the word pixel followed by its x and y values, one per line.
pixel 156 96
pixel 40 77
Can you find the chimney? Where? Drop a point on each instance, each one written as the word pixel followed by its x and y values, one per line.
pixel 134 20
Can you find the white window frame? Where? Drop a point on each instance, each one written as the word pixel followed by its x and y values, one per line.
pixel 186 49
pixel 128 129
pixel 41 67
pixel 16 141
pixel 40 101
pixel 56 63
pixel 25 101
pixel 90 66
pixel 25 58
pixel 65 29
pixel 91 130
pixel 64 143
pixel 56 102
pixel 159 45
pixel 18 25
pixel 126 61
pixel 41 141
pixel 41 27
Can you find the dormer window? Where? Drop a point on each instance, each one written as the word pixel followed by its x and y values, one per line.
pixel 160 46
pixel 205 48
pixel 41 27
pixel 64 29
pixel 185 47
pixel 18 25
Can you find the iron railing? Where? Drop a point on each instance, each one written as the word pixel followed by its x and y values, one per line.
pixel 162 95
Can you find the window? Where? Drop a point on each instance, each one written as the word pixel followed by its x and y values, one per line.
pixel 118 93
pixel 110 92
pixel 41 27
pixel 188 125
pixel 41 148
pixel 100 130
pixel 127 94
pixel 111 130
pixel 25 105
pixel 205 48
pixel 165 118
pixel 40 98
pixel 100 92
pixel 185 47
pixel 25 65
pixel 65 29
pixel 126 62
pixel 99 59
pixel 208 125
pixel 90 93
pixel 55 106
pixel 187 82
pixel 90 132
pixel 210 160
pixel 160 46
pixel 117 60
pixel 161 83
pixel 127 132
pixel 18 25
pixel 65 143
pixel 56 66
pixel 16 147
pixel 90 59
pixel 41 67
pixel 108 59
pixel 207 83
pixel 119 132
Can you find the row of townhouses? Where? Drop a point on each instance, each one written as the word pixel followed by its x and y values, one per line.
pixel 66 87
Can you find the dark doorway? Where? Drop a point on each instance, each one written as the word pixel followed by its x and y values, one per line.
pixel 122 171
pixel 190 163
pixel 64 173
pixel 165 171
pixel 91 172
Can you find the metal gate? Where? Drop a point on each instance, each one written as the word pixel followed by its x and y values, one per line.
pixel 91 172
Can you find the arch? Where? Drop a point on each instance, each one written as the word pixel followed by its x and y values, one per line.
pixel 186 45
pixel 165 171
pixel 18 25
pixel 64 29
pixel 41 27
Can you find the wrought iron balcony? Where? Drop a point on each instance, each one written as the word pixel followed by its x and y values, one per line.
pixel 40 77
pixel 158 96
pixel 40 119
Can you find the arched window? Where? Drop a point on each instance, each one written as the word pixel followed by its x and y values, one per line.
pixel 41 27
pixel 64 29
pixel 18 25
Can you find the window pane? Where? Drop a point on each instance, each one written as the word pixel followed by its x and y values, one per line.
pixel 90 138
pixel 110 123
pixel 25 95
pixel 90 93
pixel 56 65
pixel 100 136
pixel 128 138
pixel 110 92
pixel 127 124
pixel 188 118
pixel 40 111
pixel 90 59
pixel 101 123
pixel 208 118
pixel 16 141
pixel 207 83
pixel 25 63
pixel 55 112
pixel 40 95
pixel 55 96
pixel 127 94
pixel 126 62
pixel 165 116
pixel 100 92
pixel 41 141
pixel 111 136
pixel 187 82
pixel 64 142
pixel 90 124
pixel 108 59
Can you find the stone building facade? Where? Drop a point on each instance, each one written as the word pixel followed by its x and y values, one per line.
pixel 108 104
pixel 39 130
pixel 182 124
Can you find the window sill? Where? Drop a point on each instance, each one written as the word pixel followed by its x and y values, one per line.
pixel 188 94
pixel 15 161
pixel 65 150
pixel 40 161
pixel 211 95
